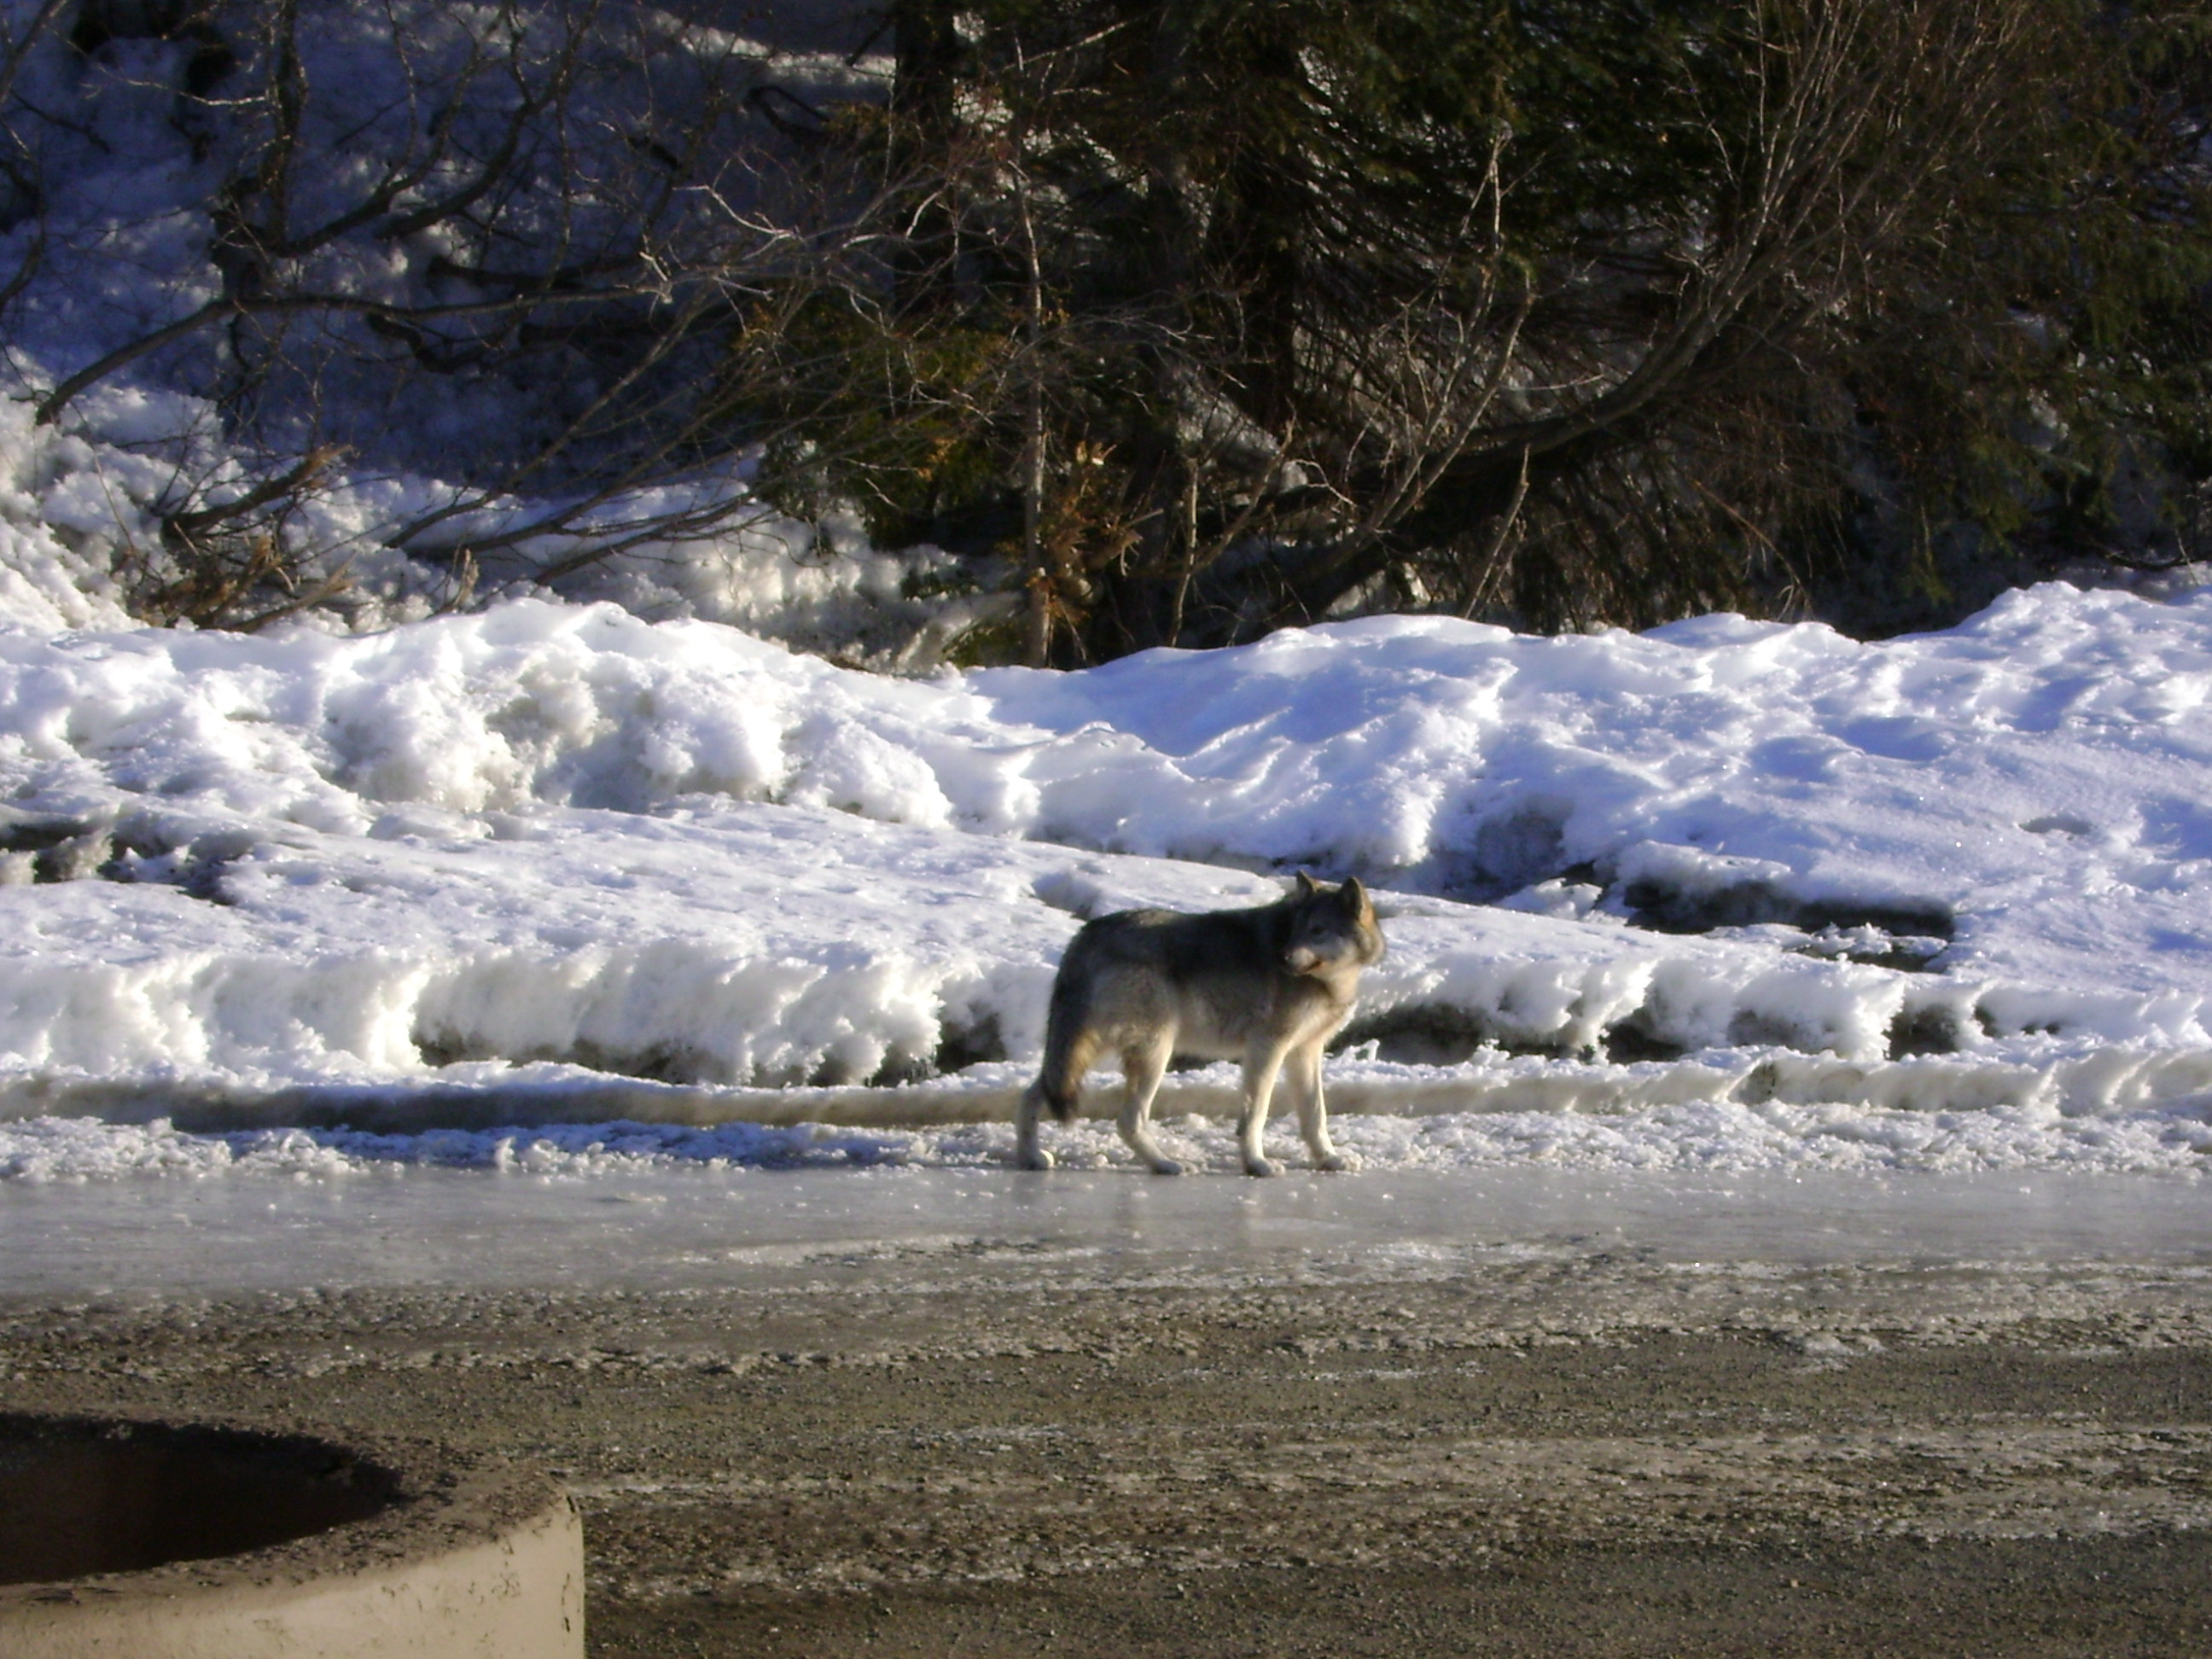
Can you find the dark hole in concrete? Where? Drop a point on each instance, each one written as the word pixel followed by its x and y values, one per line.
pixel 79 1497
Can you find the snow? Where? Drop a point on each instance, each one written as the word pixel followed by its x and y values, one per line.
pixel 1700 1136
pixel 1770 897
pixel 406 883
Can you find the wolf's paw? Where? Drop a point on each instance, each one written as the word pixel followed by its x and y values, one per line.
pixel 1032 1158
pixel 1337 1162
pixel 1262 1166
pixel 1165 1166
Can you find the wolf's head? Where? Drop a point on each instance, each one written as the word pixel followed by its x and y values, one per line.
pixel 1332 929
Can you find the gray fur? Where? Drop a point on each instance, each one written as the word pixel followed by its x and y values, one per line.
pixel 1268 986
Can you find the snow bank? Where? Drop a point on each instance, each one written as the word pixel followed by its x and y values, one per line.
pixel 490 857
pixel 1724 889
pixel 2032 778
pixel 724 945
pixel 78 507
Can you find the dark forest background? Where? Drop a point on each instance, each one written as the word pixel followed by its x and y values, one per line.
pixel 1184 322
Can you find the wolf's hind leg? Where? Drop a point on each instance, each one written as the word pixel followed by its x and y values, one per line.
pixel 1059 1088
pixel 1260 1066
pixel 1028 1154
pixel 1302 1070
pixel 1142 1065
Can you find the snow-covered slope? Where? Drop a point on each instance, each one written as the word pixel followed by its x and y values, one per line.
pixel 519 856
pixel 1734 886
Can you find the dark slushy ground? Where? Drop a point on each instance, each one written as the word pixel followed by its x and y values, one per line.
pixel 939 1412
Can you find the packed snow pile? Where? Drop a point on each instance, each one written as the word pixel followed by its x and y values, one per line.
pixel 552 861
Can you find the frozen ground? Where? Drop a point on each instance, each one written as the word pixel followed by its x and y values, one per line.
pixel 957 1411
pixel 930 1232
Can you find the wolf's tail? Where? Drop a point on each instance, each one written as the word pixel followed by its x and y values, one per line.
pixel 1068 1054
pixel 1057 1088
pixel 1041 1100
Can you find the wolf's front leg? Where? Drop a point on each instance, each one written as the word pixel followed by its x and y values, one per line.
pixel 1302 1070
pixel 1142 1069
pixel 1260 1066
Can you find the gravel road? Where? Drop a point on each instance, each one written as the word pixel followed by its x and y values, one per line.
pixel 972 1448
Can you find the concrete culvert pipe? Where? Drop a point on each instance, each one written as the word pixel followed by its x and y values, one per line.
pixel 136 1539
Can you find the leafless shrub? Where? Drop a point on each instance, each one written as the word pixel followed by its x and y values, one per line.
pixel 1180 322
pixel 570 217
pixel 234 562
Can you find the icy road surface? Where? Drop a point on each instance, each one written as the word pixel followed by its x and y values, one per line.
pixel 678 1229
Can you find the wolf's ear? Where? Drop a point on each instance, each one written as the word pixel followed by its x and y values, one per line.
pixel 1306 885
pixel 1353 894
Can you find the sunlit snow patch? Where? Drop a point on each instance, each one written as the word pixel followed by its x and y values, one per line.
pixel 477 862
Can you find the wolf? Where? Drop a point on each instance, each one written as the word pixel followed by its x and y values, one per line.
pixel 1268 986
